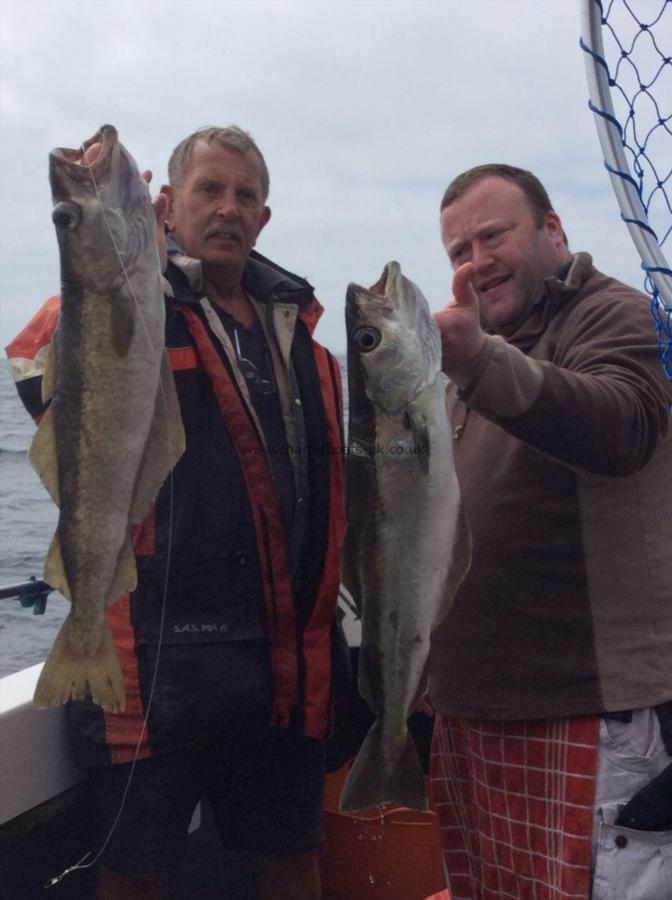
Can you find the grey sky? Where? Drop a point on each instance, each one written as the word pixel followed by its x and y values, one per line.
pixel 364 111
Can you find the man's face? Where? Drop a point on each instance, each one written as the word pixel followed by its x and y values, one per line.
pixel 217 211
pixel 492 225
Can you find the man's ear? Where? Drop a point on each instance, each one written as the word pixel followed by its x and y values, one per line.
pixel 554 228
pixel 266 215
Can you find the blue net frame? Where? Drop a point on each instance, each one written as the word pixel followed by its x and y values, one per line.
pixel 631 73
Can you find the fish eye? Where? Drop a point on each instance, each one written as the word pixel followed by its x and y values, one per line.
pixel 366 339
pixel 66 215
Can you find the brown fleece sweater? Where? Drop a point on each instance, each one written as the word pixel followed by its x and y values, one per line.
pixel 563 451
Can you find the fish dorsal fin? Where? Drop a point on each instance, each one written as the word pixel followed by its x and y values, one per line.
pixel 165 444
pixel 43 456
pixel 416 421
pixel 459 565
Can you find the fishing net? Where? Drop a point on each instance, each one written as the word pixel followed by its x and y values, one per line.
pixel 628 48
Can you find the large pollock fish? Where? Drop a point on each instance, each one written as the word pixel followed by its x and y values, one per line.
pixel 113 430
pixel 407 546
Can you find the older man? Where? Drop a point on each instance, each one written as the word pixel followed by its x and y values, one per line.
pixel 552 674
pixel 237 692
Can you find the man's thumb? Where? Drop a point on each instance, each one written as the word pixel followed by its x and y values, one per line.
pixel 464 293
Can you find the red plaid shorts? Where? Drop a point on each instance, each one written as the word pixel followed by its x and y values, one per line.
pixel 515 806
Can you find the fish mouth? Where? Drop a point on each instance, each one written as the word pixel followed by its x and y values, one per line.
pixel 385 286
pixel 70 163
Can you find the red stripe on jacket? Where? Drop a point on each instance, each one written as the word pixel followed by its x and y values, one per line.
pixel 182 358
pixel 317 632
pixel 125 732
pixel 278 597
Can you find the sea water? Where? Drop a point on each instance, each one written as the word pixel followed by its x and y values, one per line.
pixel 27 522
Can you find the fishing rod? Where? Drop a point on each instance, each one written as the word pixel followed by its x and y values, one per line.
pixel 33 592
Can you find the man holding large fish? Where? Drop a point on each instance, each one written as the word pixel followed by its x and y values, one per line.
pixel 217 575
pixel 551 674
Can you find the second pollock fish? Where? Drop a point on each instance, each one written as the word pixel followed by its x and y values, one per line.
pixel 407 546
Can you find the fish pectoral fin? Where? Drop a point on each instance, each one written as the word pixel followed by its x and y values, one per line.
pixel 165 444
pixel 374 779
pixel 416 421
pixel 123 315
pixel 369 676
pixel 44 457
pixel 459 564
pixel 54 569
pixel 49 374
pixel 68 675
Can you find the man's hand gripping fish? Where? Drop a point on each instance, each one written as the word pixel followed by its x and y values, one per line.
pixel 112 432
pixel 407 546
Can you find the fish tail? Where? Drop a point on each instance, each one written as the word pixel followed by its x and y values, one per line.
pixel 372 781
pixel 68 675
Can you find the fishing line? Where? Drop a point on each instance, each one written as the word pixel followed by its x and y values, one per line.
pixel 81 864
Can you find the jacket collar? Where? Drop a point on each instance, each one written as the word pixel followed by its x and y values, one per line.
pixel 263 279
pixel 558 290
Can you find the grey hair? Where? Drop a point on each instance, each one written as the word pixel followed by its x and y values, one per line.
pixel 231 138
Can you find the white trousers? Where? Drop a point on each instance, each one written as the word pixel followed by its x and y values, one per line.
pixel 629 864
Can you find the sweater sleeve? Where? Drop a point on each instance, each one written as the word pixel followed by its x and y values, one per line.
pixel 600 403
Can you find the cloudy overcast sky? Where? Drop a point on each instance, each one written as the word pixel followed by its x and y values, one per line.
pixel 364 111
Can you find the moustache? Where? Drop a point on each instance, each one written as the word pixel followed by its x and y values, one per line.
pixel 220 231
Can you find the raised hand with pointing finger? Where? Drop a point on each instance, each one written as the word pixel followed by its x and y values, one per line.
pixel 462 337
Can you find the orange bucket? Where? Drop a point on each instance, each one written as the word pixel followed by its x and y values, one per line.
pixel 382 853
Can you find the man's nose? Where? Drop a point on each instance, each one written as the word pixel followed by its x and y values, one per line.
pixel 227 207
pixel 481 256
